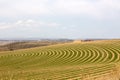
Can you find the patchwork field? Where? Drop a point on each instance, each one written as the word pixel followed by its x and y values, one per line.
pixel 96 60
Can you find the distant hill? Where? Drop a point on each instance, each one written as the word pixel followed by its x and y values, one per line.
pixel 10 45
pixel 4 42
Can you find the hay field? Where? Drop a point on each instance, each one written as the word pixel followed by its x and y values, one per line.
pixel 97 60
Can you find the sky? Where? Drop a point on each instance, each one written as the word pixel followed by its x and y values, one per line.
pixel 73 19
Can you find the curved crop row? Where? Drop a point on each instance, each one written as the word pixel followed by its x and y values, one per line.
pixel 61 62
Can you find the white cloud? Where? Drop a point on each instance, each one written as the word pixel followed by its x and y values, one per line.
pixel 96 8
pixel 4 25
pixel 28 24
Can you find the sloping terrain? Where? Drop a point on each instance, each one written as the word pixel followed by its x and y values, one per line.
pixel 71 61
pixel 24 44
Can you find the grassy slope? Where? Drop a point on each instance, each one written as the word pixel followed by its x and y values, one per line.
pixel 80 61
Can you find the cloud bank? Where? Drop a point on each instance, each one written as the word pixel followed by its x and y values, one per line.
pixel 27 24
pixel 60 18
pixel 95 8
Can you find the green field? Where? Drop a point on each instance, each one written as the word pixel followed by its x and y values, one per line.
pixel 70 61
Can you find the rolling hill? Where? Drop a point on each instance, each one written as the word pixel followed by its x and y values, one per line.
pixel 10 45
pixel 95 60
